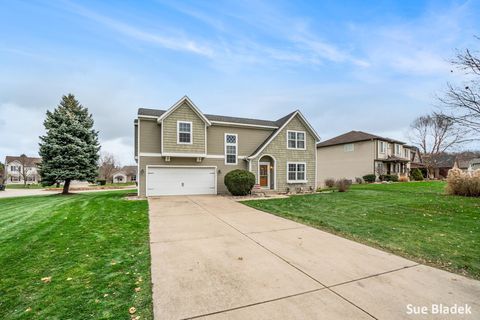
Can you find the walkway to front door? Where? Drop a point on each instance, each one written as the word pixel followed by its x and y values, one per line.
pixel 213 258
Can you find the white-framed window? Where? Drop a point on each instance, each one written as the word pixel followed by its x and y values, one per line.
pixel 296 172
pixel 14 168
pixel 382 147
pixel 406 153
pixel 349 147
pixel 398 149
pixel 231 148
pixel 184 132
pixel 296 139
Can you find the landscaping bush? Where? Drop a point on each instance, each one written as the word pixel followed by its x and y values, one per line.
pixel 416 175
pixel 388 177
pixel 369 178
pixel 239 182
pixel 463 183
pixel 329 183
pixel 343 185
pixel 403 178
pixel 101 182
pixel 358 180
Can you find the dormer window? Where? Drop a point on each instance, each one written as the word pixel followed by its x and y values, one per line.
pixel 184 132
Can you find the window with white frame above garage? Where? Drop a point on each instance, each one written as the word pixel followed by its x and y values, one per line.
pixel 184 132
pixel 231 148
pixel 296 139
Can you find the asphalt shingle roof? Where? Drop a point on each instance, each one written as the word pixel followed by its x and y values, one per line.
pixel 354 136
pixel 214 117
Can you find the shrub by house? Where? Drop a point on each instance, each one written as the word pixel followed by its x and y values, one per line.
pixel 463 183
pixel 239 182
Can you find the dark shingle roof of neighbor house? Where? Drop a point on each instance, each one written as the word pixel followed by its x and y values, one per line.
pixel 213 117
pixel 354 136
pixel 29 160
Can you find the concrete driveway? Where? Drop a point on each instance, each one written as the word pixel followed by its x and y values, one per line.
pixel 213 258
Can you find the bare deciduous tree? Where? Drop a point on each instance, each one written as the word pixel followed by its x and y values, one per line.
pixel 463 102
pixel 26 168
pixel 435 134
pixel 107 165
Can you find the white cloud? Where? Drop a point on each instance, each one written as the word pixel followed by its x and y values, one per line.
pixel 173 42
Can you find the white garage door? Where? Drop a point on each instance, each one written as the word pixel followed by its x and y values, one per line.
pixel 167 181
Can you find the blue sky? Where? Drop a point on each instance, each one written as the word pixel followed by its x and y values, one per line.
pixel 347 65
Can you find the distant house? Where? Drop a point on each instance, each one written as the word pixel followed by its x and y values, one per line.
pixel 125 174
pixel 474 164
pixel 19 168
pixel 467 161
pixel 357 153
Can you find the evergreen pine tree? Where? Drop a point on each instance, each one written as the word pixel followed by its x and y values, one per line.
pixel 70 147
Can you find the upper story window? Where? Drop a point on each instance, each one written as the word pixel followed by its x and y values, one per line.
pixel 14 168
pixel 398 149
pixel 184 132
pixel 231 148
pixel 406 153
pixel 296 139
pixel 296 171
pixel 349 147
pixel 382 147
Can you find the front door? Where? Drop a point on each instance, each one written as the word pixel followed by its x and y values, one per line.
pixel 264 175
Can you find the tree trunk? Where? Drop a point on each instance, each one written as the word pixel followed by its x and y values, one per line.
pixel 66 186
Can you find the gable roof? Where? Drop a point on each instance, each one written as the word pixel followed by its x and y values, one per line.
pixel 28 160
pixel 191 105
pixel 214 118
pixel 354 136
pixel 282 123
pixel 128 170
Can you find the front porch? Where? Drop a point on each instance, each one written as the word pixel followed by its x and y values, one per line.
pixel 392 166
pixel 266 175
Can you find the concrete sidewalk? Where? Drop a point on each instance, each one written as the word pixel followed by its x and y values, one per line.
pixel 14 193
pixel 214 258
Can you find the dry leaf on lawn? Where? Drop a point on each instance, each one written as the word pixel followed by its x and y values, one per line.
pixel 46 279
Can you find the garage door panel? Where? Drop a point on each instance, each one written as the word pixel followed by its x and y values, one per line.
pixel 181 181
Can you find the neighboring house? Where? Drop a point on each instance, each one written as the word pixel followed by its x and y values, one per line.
pixel 440 164
pixel 125 174
pixel 474 164
pixel 467 161
pixel 184 151
pixel 18 168
pixel 356 153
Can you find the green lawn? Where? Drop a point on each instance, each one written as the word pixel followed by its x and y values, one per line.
pixel 416 220
pixel 94 246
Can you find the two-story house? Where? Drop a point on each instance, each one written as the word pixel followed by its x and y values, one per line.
pixel 21 168
pixel 356 153
pixel 184 151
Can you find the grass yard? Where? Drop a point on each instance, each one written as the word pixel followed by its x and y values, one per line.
pixel 416 220
pixel 90 249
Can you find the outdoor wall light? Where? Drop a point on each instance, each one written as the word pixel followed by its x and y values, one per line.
pixel 142 172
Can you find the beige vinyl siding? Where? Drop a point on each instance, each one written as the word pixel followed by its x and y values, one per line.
pixel 222 169
pixel 334 162
pixel 183 113
pixel 135 134
pixel 278 150
pixel 150 136
pixel 248 139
